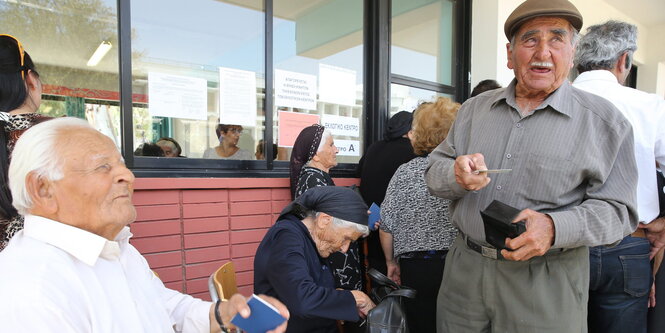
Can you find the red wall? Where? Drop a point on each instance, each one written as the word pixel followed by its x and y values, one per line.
pixel 187 227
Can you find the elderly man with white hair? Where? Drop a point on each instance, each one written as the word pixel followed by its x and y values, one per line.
pixel 72 268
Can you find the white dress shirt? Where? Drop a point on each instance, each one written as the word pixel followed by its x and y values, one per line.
pixel 646 112
pixel 58 278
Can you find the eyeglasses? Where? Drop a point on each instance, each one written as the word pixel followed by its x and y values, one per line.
pixel 236 130
pixel 20 51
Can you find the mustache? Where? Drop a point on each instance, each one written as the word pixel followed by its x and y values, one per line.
pixel 541 64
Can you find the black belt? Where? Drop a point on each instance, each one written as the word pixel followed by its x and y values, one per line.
pixel 485 251
pixel 494 253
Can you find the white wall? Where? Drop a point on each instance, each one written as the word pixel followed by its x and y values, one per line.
pixel 488 50
pixel 488 43
pixel 652 74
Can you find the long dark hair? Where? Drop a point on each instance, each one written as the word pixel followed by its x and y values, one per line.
pixel 13 93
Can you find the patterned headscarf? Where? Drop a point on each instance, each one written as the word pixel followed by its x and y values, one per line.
pixel 304 150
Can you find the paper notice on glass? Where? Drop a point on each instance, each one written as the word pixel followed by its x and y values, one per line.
pixel 295 90
pixel 348 147
pixel 290 125
pixel 337 85
pixel 237 97
pixel 341 126
pixel 177 96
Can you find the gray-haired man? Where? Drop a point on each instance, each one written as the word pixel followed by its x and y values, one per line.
pixel 621 275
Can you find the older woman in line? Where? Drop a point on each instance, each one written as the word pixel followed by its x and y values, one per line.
pixel 20 97
pixel 415 230
pixel 228 149
pixel 290 261
pixel 314 154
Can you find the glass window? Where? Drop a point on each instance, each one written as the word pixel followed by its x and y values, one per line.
pixel 422 39
pixel 318 59
pixel 198 76
pixel 74 45
pixel 405 98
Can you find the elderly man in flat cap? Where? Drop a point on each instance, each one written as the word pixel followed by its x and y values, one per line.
pixel 290 262
pixel 572 180
pixel 72 269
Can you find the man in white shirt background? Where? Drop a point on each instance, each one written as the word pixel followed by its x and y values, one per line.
pixel 72 268
pixel 621 275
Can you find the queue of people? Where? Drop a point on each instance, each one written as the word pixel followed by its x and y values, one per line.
pixel 592 213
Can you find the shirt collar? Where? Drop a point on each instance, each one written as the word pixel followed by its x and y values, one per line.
pixel 83 245
pixel 558 101
pixel 601 75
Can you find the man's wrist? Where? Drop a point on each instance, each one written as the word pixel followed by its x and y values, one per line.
pixel 218 317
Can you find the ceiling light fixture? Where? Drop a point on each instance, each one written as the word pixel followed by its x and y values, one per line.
pixel 101 51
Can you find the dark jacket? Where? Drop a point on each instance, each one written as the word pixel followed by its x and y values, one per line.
pixel 287 266
pixel 375 169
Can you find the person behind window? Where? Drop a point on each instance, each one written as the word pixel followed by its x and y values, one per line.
pixel 20 97
pixel 288 263
pixel 170 147
pixel 415 228
pixel 483 86
pixel 259 151
pixel 149 149
pixel 228 136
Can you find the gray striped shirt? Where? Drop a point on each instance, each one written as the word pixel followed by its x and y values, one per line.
pixel 572 158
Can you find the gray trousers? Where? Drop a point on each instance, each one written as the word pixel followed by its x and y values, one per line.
pixel 544 294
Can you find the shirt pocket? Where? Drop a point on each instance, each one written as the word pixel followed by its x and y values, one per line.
pixel 549 179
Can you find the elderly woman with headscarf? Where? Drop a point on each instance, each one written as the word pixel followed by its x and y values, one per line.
pixel 290 262
pixel 314 153
pixel 415 226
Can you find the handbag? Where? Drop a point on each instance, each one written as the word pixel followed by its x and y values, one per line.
pixel 388 316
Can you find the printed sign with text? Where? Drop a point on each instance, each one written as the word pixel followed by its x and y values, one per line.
pixel 290 125
pixel 348 147
pixel 237 97
pixel 177 96
pixel 295 90
pixel 341 126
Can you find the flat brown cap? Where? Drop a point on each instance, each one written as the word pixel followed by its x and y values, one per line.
pixel 534 8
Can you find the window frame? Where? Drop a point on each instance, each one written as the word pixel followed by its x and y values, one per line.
pixel 376 105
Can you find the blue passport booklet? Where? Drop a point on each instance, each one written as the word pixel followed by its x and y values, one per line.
pixel 262 318
pixel 374 215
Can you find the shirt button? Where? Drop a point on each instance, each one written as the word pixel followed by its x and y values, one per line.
pixel 509 156
pixel 519 125
pixel 498 187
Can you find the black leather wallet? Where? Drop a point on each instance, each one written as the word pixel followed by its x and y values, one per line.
pixel 497 218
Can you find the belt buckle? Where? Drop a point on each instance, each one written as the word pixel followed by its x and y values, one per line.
pixel 488 252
